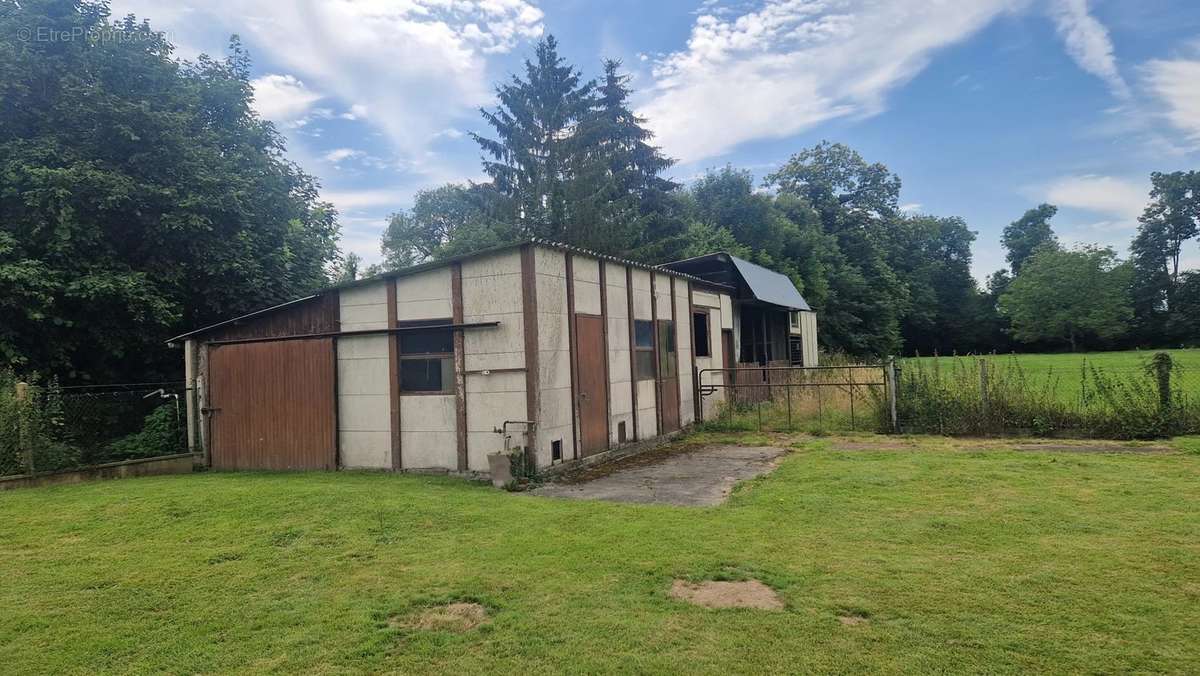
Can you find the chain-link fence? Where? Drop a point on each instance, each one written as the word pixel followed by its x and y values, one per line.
pixel 47 428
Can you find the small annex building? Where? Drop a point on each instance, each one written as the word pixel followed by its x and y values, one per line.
pixel 540 345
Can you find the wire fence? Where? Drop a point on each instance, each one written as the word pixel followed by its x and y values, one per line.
pixel 779 397
pixel 47 428
pixel 1156 395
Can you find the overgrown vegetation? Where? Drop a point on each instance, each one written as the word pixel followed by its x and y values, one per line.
pixel 47 431
pixel 970 396
pixel 958 555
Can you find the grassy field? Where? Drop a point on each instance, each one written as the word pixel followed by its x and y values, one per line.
pixel 961 558
pixel 1063 370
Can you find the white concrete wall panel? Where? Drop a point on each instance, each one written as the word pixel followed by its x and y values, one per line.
pixel 425 295
pixel 683 328
pixel 428 436
pixel 647 416
pixel 619 388
pixel 705 299
pixel 364 308
pixel 587 285
pixel 662 290
pixel 364 411
pixel 641 294
pixel 554 357
pixel 492 292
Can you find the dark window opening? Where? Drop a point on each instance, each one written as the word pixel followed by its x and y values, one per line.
pixel 703 339
pixel 426 357
pixel 433 341
pixel 621 437
pixel 796 351
pixel 643 350
pixel 556 450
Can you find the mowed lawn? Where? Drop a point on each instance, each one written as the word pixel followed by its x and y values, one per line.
pixel 959 557
pixel 1063 371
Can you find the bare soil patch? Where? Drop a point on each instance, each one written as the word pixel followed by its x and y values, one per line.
pixel 852 620
pixel 713 594
pixel 456 617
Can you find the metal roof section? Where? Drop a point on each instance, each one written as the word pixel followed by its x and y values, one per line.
pixel 431 265
pixel 770 286
pixel 763 284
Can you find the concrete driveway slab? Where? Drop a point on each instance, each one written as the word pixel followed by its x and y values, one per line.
pixel 696 478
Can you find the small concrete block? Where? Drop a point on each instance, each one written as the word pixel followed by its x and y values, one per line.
pixel 500 467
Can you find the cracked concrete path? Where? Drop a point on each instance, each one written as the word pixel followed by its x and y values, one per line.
pixel 697 478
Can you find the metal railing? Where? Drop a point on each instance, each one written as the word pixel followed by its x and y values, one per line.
pixel 781 396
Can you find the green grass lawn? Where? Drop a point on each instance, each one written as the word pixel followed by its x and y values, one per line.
pixel 1064 369
pixel 962 560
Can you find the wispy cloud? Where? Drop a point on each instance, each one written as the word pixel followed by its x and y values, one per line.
pixel 415 65
pixel 1119 198
pixel 1176 85
pixel 783 68
pixel 1088 43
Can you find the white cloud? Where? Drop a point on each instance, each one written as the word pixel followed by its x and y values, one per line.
pixel 342 154
pixel 914 206
pixel 1119 198
pixel 792 64
pixel 1088 43
pixel 282 98
pixel 1177 86
pixel 414 65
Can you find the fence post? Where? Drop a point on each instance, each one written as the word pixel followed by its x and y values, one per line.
pixel 890 377
pixel 24 442
pixel 1161 365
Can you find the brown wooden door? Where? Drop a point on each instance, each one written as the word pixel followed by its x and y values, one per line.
pixel 272 405
pixel 668 375
pixel 593 376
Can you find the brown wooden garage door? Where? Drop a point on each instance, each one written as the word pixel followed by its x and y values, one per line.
pixel 272 405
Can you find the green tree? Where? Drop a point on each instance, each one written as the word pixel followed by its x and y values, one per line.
pixel 139 196
pixel 856 203
pixel 1026 234
pixel 616 189
pixel 933 257
pixel 1171 219
pixel 532 158
pixel 1069 296
pixel 446 221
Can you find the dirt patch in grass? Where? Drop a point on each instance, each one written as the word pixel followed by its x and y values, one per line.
pixel 712 594
pixel 852 620
pixel 455 617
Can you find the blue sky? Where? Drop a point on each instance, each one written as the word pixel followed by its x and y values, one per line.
pixel 983 107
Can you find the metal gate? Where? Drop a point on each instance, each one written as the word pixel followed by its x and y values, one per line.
pixel 271 405
pixel 779 396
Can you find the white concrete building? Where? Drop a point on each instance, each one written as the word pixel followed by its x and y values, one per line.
pixel 570 353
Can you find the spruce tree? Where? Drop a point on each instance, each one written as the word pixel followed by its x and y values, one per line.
pixel 531 158
pixel 616 192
